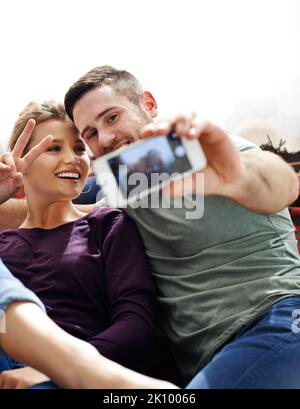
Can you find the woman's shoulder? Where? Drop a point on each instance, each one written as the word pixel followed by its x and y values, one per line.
pixel 9 233
pixel 10 238
pixel 107 215
pixel 110 223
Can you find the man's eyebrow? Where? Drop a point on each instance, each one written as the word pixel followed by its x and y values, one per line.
pixel 99 116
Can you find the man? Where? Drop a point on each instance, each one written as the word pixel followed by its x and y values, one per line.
pixel 228 282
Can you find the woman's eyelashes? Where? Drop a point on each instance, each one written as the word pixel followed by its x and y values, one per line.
pixel 54 149
pixel 79 149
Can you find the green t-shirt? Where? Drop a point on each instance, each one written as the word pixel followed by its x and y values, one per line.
pixel 215 273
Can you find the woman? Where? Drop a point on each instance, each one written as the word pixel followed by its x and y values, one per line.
pixel 89 270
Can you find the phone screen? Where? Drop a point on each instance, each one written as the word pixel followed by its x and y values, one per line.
pixel 149 163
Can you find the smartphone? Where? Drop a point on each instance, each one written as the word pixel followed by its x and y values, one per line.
pixel 145 166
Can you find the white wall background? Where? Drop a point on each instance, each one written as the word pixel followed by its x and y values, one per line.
pixel 235 62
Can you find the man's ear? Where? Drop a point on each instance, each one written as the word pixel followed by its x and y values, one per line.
pixel 148 102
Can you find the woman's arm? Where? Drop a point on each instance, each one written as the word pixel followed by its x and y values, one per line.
pixel 130 293
pixel 28 335
pixel 33 338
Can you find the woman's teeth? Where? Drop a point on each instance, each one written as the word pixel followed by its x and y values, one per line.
pixel 71 175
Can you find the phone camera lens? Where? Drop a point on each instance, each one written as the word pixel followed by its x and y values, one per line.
pixel 173 135
pixel 179 151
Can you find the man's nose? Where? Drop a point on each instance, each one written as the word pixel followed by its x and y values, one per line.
pixel 106 139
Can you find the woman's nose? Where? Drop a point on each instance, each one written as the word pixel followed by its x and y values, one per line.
pixel 71 157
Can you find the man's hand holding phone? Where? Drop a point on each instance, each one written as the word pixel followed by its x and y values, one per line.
pixel 224 166
pixel 145 166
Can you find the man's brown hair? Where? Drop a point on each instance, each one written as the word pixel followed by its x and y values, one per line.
pixel 121 81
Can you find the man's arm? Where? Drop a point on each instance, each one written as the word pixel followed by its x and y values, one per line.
pixel 258 181
pixel 12 213
pixel 267 184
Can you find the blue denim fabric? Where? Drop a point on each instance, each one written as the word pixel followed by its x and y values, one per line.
pixel 91 192
pixel 11 289
pixel 44 385
pixel 265 354
pixel 7 363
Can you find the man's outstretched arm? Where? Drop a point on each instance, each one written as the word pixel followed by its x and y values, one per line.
pixel 267 183
pixel 259 181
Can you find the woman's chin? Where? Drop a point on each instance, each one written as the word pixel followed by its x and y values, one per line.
pixel 68 195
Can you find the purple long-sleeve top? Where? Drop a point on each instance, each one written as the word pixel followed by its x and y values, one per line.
pixel 93 277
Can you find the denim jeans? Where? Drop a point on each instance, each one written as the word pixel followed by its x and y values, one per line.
pixel 264 354
pixel 7 363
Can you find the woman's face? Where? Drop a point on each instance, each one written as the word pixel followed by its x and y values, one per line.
pixel 60 172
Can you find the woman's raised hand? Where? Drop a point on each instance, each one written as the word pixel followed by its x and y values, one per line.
pixel 13 165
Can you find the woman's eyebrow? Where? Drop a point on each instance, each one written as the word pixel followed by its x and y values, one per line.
pixel 76 141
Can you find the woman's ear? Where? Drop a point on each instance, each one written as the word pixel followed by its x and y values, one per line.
pixel 148 102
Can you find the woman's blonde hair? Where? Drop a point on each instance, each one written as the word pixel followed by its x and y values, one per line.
pixel 40 113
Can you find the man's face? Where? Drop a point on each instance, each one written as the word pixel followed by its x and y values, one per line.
pixel 107 120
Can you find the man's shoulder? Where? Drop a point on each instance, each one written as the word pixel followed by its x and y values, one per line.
pixel 243 144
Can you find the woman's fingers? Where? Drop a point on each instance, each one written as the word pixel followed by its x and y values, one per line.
pixel 36 151
pixel 18 179
pixel 23 139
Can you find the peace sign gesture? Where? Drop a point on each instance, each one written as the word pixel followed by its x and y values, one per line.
pixel 12 165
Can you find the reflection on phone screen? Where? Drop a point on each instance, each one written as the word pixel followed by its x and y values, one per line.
pixel 160 155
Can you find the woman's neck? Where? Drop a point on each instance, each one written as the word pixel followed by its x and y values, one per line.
pixel 50 215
